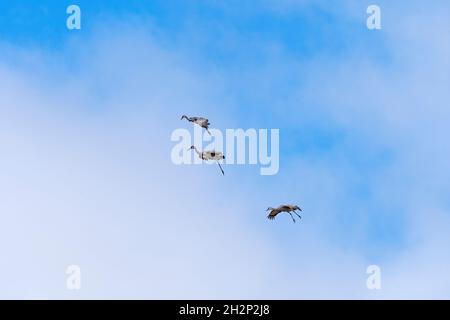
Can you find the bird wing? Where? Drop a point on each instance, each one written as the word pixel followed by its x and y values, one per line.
pixel 213 155
pixel 273 214
pixel 198 119
pixel 208 154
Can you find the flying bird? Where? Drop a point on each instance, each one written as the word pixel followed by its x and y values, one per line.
pixel 289 208
pixel 202 122
pixel 210 155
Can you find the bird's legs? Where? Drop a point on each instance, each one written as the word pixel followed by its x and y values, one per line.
pixel 297 214
pixel 292 217
pixel 208 131
pixel 220 168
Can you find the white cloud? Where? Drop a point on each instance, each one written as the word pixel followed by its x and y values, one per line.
pixel 87 178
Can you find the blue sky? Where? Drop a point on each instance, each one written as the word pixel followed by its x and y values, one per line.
pixel 86 122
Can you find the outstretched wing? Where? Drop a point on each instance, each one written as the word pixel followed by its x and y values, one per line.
pixel 273 214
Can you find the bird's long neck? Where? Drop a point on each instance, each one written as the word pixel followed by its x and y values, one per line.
pixel 198 152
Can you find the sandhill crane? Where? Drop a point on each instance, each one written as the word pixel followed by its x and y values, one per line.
pixel 289 208
pixel 202 122
pixel 210 155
